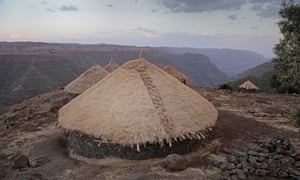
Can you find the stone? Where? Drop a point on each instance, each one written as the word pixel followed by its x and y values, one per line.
pixel 287 161
pixel 262 172
pixel 261 149
pixel 39 161
pixel 270 147
pixel 233 160
pixel 238 154
pixel 239 166
pixel 273 173
pixel 234 177
pixel 232 172
pixel 252 153
pixel 214 162
pixel 252 171
pixel 223 167
pixel 175 162
pixel 261 159
pixel 262 165
pixel 297 164
pixel 264 155
pixel 240 174
pixel 246 171
pixel 226 150
pixel 277 157
pixel 282 174
pixel 21 162
pixel 293 171
pixel 252 161
pixel 231 166
pixel 296 156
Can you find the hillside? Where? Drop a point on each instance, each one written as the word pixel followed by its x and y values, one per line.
pixel 260 75
pixel 84 56
pixel 199 69
pixel 24 76
pixel 230 61
pixel 260 69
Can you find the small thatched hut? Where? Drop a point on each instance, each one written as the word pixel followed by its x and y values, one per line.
pixel 87 79
pixel 248 86
pixel 111 66
pixel 177 74
pixel 137 112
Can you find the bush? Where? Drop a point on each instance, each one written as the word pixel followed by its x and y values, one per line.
pixel 296 117
pixel 225 86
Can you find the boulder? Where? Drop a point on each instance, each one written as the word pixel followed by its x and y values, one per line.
pixel 21 162
pixel 175 162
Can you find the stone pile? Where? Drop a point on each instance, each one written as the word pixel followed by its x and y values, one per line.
pixel 273 158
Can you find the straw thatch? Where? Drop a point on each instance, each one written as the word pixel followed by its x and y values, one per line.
pixel 86 79
pixel 177 74
pixel 139 104
pixel 111 66
pixel 248 85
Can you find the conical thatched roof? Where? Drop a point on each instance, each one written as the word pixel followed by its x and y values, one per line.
pixel 111 66
pixel 87 79
pixel 177 74
pixel 248 85
pixel 137 104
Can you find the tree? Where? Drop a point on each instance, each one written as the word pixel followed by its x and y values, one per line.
pixel 287 60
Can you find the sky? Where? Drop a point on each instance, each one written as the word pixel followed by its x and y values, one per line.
pixel 234 24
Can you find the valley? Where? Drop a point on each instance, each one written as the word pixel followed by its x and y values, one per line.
pixel 30 68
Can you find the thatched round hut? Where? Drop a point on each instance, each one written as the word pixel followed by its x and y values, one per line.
pixel 111 66
pixel 177 74
pixel 87 79
pixel 248 86
pixel 137 112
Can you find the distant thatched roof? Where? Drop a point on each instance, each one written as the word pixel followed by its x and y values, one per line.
pixel 137 104
pixel 248 85
pixel 86 79
pixel 179 75
pixel 111 66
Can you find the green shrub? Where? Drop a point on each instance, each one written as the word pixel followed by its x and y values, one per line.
pixel 296 116
pixel 225 86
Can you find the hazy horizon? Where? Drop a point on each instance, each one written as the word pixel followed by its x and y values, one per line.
pixel 227 24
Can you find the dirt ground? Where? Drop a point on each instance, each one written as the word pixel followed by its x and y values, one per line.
pixel 29 131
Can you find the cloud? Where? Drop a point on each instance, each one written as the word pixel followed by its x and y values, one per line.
pixel 49 10
pixel 154 10
pixel 15 36
pixel 147 33
pixel 68 8
pixel 267 8
pixel 232 17
pixel 18 36
pixel 109 5
pixel 43 2
pixel 262 8
pixel 146 30
pixel 190 6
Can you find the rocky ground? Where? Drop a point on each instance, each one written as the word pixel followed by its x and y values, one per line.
pixel 253 138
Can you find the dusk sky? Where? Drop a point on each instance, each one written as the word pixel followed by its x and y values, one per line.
pixel 235 24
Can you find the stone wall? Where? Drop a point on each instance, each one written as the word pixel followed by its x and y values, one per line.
pixel 89 147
